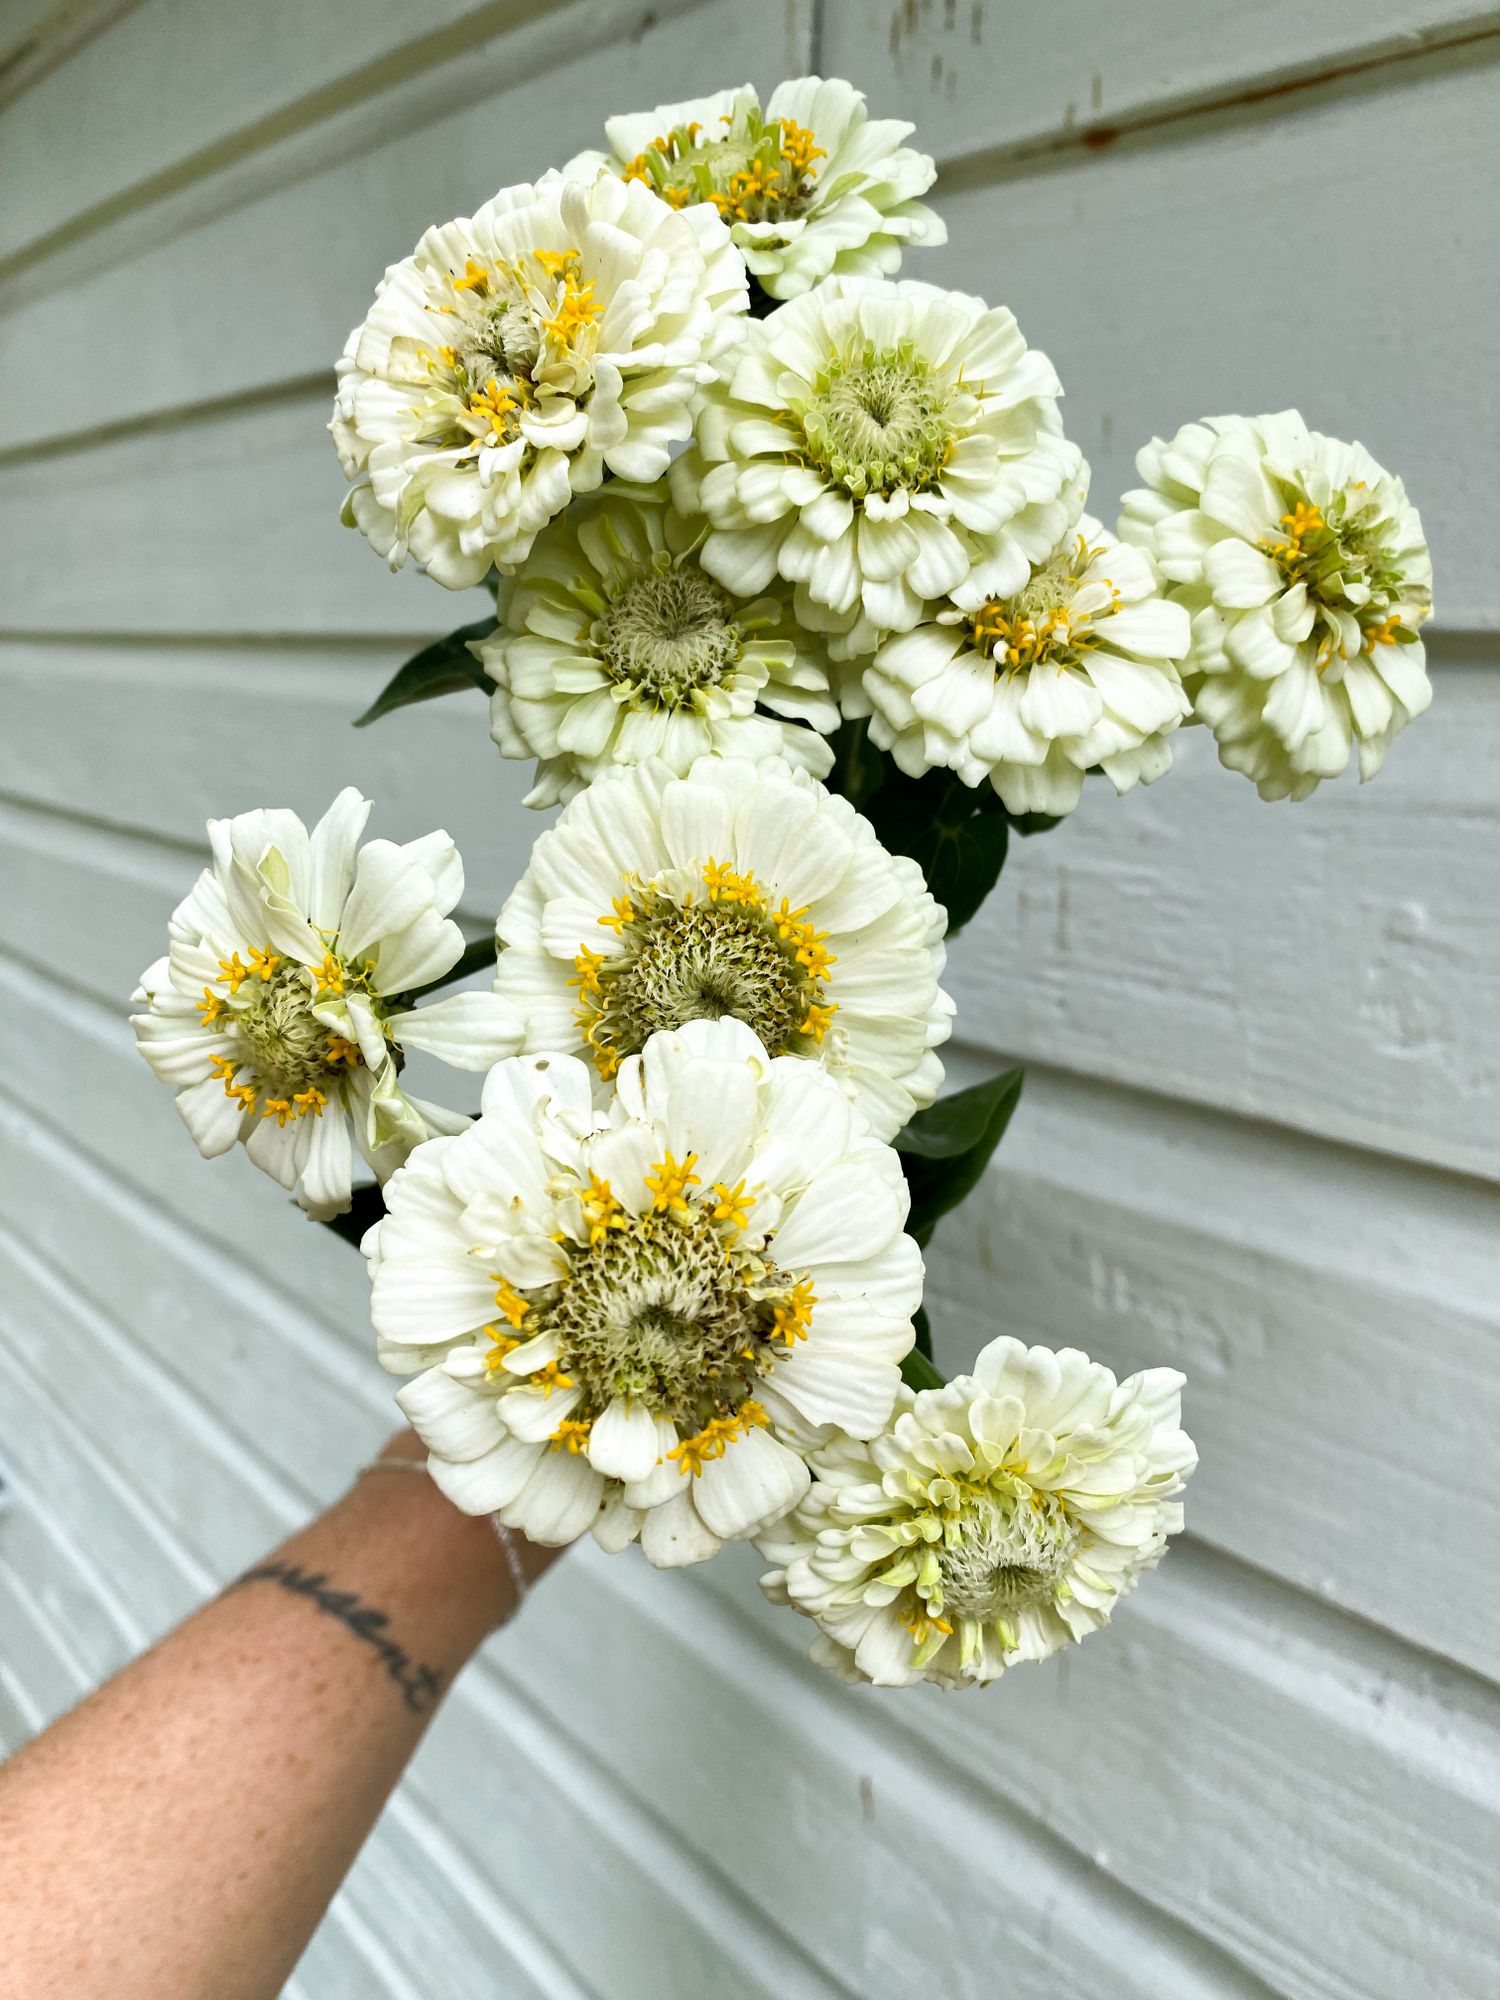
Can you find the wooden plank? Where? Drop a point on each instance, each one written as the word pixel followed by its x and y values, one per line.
pixel 1296 1285
pixel 422 161
pixel 1319 1804
pixel 1318 965
pixel 36 38
pixel 1284 1278
pixel 1190 251
pixel 1347 1711
pixel 241 80
pixel 1016 1882
pixel 127 1411
pixel 165 1582
pixel 1030 73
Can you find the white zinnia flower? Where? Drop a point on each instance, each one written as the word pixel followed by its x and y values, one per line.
pixel 1033 687
pixel 877 445
pixel 811 187
pixel 657 900
pixel 616 646
pixel 517 355
pixel 1304 567
pixel 619 1309
pixel 995 1520
pixel 280 1012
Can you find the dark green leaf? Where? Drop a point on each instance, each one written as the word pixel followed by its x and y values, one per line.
pixel 441 668
pixel 917 1372
pixel 954 834
pixel 366 1205
pixel 858 767
pixel 923 1327
pixel 945 1149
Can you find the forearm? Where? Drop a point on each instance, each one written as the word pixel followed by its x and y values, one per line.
pixel 181 1833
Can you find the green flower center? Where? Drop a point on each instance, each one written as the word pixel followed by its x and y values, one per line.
pixel 668 1311
pixel 754 172
pixel 726 953
pixel 1010 1554
pixel 282 1040
pixel 877 420
pixel 1342 553
pixel 1040 625
pixel 668 632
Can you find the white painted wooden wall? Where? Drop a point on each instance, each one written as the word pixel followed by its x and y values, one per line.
pixel 1260 1134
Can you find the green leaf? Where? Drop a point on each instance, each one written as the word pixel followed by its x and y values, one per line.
pixel 923 1326
pixel 945 1149
pixel 958 837
pixel 441 668
pixel 476 957
pixel 918 1372
pixel 367 1205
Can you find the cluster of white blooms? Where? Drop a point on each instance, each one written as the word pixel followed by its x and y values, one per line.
pixel 770 533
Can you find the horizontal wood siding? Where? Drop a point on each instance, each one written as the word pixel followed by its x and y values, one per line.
pixel 1260 1136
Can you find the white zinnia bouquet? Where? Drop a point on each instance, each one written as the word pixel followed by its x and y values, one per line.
pixel 799 613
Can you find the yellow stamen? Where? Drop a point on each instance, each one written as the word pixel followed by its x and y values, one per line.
pixel 311 1101
pixel 733 1204
pixel 794 1311
pixel 576 310
pixel 550 1377
pixel 495 405
pixel 341 1051
pixel 504 1343
pixel 234 973
pixel 329 975
pixel 476 278
pixel 1302 520
pixel 586 970
pixel 265 962
pixel 724 885
pixel 799 148
pixel 278 1108
pixel 571 1435
pixel 509 1300
pixel 601 1210
pixel 210 1007
pixel 624 911
pixel 922 1624
pixel 669 1181
pixel 691 1454
pixel 245 1092
pixel 817 1019
pixel 1383 634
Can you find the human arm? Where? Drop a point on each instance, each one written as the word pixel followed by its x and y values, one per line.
pixel 179 1835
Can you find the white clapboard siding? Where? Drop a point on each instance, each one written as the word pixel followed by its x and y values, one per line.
pixel 127 1421
pixel 1190 939
pixel 1182 1650
pixel 1144 1232
pixel 1258 1139
pixel 330 235
pixel 996 83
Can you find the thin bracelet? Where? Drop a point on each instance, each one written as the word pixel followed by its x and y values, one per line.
pixel 513 1561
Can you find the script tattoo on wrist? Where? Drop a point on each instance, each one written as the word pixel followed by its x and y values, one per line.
pixel 420 1686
